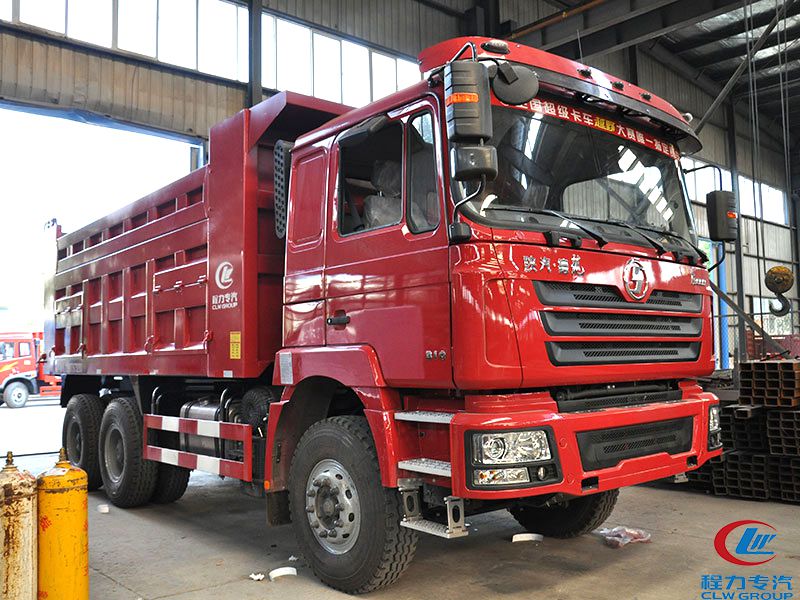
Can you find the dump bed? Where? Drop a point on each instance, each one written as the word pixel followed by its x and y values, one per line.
pixel 187 280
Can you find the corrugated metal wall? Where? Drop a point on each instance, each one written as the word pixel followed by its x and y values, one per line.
pixel 402 25
pixel 58 74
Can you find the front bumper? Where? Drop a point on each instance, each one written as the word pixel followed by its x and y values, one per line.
pixel 572 477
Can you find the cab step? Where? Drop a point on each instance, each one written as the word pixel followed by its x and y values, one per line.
pixel 434 528
pixel 424 416
pixel 429 466
pixel 413 519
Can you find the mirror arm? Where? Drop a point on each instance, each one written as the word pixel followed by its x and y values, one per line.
pixel 719 262
pixel 715 167
pixel 475 194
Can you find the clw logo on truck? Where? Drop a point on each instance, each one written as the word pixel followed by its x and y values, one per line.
pixel 752 545
pixel 224 275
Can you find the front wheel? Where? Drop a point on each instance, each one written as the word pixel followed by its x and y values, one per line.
pixel 16 394
pixel 347 523
pixel 576 517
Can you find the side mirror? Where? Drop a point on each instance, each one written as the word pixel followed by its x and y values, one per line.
pixel 467 101
pixel 473 162
pixel 514 84
pixel 721 212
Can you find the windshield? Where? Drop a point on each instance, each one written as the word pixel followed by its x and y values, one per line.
pixel 548 163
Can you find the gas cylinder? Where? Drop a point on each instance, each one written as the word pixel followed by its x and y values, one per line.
pixel 17 533
pixel 63 532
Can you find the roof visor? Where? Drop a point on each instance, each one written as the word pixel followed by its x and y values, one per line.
pixel 570 75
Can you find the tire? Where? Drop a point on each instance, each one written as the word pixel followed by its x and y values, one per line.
pixel 171 483
pixel 16 394
pixel 579 516
pixel 370 549
pixel 80 435
pixel 129 480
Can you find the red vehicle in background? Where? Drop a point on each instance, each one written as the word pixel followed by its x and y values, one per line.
pixel 482 292
pixel 21 369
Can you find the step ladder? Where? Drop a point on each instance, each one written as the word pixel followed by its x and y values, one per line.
pixel 409 487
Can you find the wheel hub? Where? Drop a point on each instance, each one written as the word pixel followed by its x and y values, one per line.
pixel 332 506
pixel 114 453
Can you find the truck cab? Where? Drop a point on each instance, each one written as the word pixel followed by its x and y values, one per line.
pixel 21 371
pixel 567 289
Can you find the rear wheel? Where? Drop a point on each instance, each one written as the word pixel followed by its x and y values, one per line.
pixel 81 433
pixel 171 483
pixel 129 480
pixel 16 394
pixel 347 523
pixel 577 517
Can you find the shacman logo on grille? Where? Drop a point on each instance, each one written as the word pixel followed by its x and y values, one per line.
pixel 634 279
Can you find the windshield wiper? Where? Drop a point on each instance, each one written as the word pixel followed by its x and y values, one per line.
pixel 590 231
pixel 660 249
pixel 702 255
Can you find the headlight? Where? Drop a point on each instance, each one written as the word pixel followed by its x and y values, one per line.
pixel 515 447
pixel 714 428
pixel 713 418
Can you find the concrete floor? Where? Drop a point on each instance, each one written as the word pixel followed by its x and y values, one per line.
pixel 206 545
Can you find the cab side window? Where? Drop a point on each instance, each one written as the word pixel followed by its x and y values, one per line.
pixel 6 350
pixel 24 349
pixel 423 200
pixel 371 181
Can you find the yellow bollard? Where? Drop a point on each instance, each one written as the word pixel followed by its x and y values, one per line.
pixel 63 532
pixel 17 533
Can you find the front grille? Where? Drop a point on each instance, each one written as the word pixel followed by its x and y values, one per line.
pixel 598 397
pixel 605 448
pixel 598 353
pixel 558 323
pixel 554 293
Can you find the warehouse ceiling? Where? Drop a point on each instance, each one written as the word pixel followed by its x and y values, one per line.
pixel 704 40
pixel 718 45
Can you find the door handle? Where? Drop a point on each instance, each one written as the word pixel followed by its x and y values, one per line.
pixel 338 320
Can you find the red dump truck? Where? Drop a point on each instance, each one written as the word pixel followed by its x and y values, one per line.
pixel 482 292
pixel 22 369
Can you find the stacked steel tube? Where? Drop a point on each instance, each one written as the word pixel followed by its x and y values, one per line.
pixel 761 437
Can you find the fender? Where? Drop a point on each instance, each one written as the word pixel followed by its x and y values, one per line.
pixel 31 382
pixel 297 410
pixel 352 366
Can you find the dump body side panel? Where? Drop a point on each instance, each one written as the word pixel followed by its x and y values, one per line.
pixel 188 280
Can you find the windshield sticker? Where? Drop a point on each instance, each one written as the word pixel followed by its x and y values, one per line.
pixel 581 117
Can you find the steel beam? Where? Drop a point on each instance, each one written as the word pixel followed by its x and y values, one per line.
pixel 737 255
pixel 723 33
pixel 730 52
pixel 255 91
pixel 779 14
pixel 614 24
pixel 759 64
pixel 767 82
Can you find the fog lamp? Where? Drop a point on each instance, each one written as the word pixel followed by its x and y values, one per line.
pixel 500 476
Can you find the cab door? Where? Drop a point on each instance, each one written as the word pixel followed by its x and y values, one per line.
pixel 386 275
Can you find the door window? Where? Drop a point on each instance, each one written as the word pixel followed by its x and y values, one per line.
pixel 24 349
pixel 423 201
pixel 370 182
